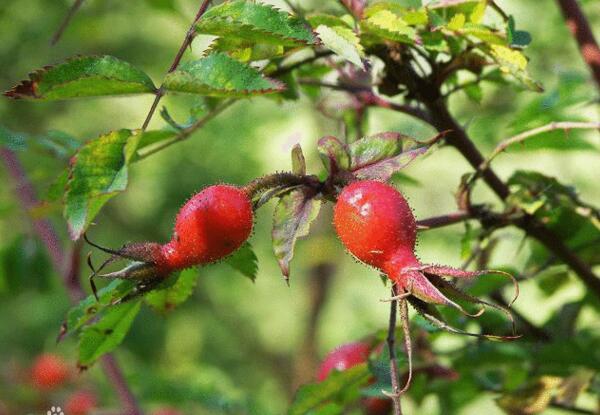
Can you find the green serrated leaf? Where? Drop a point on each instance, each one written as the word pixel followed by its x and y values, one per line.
pixel 390 26
pixel 245 261
pixel 175 292
pixel 221 76
pixel 83 76
pixel 291 220
pixel 318 19
pixel 255 22
pixel 107 333
pixel 379 156
pixel 98 172
pixel 333 153
pixel 88 308
pixel 513 62
pixel 343 41
pixel 313 396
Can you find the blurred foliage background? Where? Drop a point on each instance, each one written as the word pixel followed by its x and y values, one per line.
pixel 238 347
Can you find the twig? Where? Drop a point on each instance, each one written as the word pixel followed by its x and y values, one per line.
pixel 187 41
pixel 285 69
pixel 443 220
pixel 70 276
pixel 67 19
pixel 581 30
pixel 186 132
pixel 367 96
pixel 443 120
pixel 391 341
pixel 521 137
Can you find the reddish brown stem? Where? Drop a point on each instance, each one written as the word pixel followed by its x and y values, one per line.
pixel 70 274
pixel 443 220
pixel 581 30
pixel 443 120
pixel 72 10
pixel 187 41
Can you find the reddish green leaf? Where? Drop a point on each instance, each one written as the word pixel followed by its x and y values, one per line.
pixel 291 220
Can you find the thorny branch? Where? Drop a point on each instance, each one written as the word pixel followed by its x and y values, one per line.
pixel 69 272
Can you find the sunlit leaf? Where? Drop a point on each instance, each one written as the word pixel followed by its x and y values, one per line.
pixel 84 76
pixel 98 171
pixel 343 41
pixel 533 399
pixel 388 25
pixel 219 75
pixel 256 22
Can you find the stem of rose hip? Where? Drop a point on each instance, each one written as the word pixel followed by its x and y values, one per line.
pixel 282 179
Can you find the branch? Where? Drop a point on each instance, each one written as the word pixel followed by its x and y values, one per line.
pixel 443 220
pixel 186 132
pixel 458 138
pixel 368 97
pixel 581 30
pixel 67 19
pixel 26 194
pixel 521 137
pixel 187 41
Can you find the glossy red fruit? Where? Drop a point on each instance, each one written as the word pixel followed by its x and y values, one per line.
pixel 49 371
pixel 211 225
pixel 345 357
pixel 376 224
pixel 81 403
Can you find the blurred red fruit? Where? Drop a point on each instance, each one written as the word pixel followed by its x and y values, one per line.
pixel 347 356
pixel 80 403
pixel 166 411
pixel 49 371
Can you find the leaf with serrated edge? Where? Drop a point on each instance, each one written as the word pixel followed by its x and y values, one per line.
pixel 381 155
pixel 291 220
pixel 107 333
pixel 98 171
pixel 390 26
pixel 254 22
pixel 83 76
pixel 312 396
pixel 343 41
pixel 245 261
pixel 221 76
pixel 167 298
